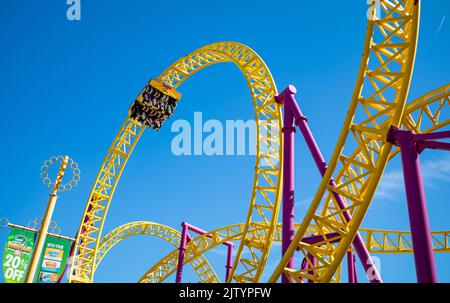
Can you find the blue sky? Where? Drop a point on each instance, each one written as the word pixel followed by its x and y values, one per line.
pixel 66 87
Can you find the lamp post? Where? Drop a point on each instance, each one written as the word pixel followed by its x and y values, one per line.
pixel 56 186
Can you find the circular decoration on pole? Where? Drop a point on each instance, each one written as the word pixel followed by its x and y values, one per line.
pixel 36 223
pixel 64 163
pixel 32 224
pixel 54 228
pixel 53 224
pixel 4 223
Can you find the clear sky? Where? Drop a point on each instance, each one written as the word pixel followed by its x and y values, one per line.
pixel 66 87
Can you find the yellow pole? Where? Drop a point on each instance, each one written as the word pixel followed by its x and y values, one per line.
pixel 42 235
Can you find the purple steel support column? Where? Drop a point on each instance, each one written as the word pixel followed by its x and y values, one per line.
pixel 417 208
pixel 351 270
pixel 304 266
pixel 72 250
pixel 287 233
pixel 188 227
pixel 229 265
pixel 73 247
pixel 313 263
pixel 287 97
pixel 182 249
pixel 432 145
pixel 432 136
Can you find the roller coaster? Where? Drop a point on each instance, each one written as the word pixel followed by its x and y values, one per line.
pixel 373 132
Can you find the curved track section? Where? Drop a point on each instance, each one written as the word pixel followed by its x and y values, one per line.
pixel 426 113
pixel 421 115
pixel 362 152
pixel 196 247
pixel 265 196
pixel 400 242
pixel 376 241
pixel 200 265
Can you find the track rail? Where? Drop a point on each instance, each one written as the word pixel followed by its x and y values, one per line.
pixel 378 102
pixel 194 248
pixel 357 163
pixel 399 242
pixel 200 265
pixel 376 241
pixel 424 115
pixel 265 195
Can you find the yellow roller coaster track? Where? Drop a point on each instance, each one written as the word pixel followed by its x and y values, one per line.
pixel 377 103
pixel 198 246
pixel 422 115
pixel 376 241
pixel 200 265
pixel 265 197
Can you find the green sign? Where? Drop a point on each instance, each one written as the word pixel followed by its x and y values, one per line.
pixel 17 254
pixel 55 255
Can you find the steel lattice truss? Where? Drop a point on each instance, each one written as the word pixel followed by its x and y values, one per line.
pixel 196 247
pixel 265 199
pixel 377 241
pixel 362 151
pixel 200 265
pixel 83 264
pixel 433 104
pixel 356 166
pixel 399 242
pixel 427 113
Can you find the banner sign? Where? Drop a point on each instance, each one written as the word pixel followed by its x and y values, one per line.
pixel 17 254
pixel 55 255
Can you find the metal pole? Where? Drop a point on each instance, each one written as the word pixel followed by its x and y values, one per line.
pixel 229 265
pixel 304 265
pixel 288 186
pixel 182 250
pixel 313 264
pixel 355 275
pixel 42 235
pixel 351 270
pixel 417 205
pixel 287 96
pixel 230 246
